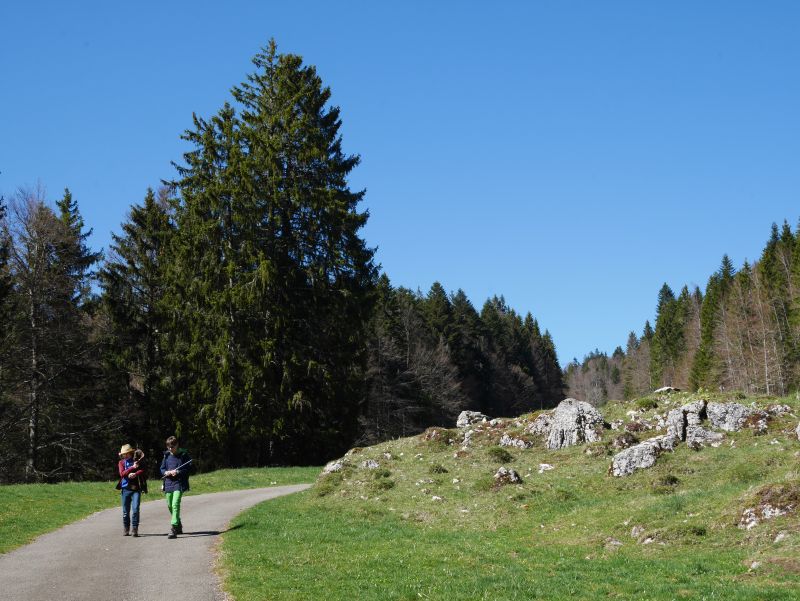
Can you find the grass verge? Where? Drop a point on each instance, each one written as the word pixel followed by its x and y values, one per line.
pixel 29 510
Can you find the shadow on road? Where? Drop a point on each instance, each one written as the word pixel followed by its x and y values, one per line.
pixel 193 534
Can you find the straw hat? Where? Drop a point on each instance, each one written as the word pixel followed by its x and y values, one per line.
pixel 126 449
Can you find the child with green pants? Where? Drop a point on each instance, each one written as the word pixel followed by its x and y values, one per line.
pixel 175 468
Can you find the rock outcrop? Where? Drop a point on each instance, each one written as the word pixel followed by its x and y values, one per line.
pixel 642 455
pixel 697 437
pixel 541 425
pixel 505 476
pixel 508 441
pixel 730 417
pixel 574 422
pixel 333 467
pixel 680 421
pixel 467 418
pixel 666 390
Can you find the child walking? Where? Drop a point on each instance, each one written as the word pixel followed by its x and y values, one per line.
pixel 175 468
pixel 132 483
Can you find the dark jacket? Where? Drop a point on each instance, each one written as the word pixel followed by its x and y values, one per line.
pixel 170 462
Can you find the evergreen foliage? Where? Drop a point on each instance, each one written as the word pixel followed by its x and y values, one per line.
pixel 133 287
pixel 240 310
pixel 743 333
pixel 270 286
pixel 53 376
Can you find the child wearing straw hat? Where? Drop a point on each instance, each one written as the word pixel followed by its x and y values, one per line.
pixel 132 481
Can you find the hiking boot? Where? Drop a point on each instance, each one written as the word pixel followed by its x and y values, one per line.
pixel 173 532
pixel 136 532
pixel 126 532
pixel 179 528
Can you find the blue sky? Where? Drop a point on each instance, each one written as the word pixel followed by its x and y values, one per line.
pixel 572 156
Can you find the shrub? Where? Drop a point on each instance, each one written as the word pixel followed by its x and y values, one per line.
pixel 381 473
pixel 499 454
pixel 645 404
pixel 437 469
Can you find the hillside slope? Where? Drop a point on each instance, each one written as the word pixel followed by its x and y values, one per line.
pixel 425 517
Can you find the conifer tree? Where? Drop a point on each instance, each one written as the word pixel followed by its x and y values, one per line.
pixel 438 312
pixel 55 357
pixel 133 284
pixel 702 372
pixel 667 338
pixel 278 280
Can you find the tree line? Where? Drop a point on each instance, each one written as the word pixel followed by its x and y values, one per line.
pixel 239 309
pixel 741 333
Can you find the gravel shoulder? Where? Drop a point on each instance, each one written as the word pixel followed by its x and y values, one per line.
pixel 90 560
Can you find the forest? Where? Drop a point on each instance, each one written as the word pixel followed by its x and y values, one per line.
pixel 239 309
pixel 741 333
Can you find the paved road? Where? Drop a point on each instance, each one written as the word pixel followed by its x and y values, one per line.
pixel 90 560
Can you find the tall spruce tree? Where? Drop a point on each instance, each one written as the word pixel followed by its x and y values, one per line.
pixel 706 366
pixel 55 364
pixel 133 284
pixel 271 284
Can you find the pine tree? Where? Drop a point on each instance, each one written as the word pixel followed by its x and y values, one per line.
pixel 133 283
pixel 55 356
pixel 706 366
pixel 438 313
pixel 667 341
pixel 278 280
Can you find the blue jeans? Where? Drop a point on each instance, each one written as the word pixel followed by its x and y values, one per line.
pixel 130 507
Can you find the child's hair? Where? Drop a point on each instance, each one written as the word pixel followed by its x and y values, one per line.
pixel 172 442
pixel 138 455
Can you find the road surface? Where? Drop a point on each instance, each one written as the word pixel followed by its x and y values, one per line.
pixel 90 560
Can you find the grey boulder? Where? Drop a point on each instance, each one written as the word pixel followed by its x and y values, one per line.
pixel 642 455
pixel 728 416
pixel 574 422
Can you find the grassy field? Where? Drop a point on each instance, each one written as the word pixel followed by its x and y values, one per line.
pixel 428 523
pixel 28 510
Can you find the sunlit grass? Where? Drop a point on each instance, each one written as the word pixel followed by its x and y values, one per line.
pixel 28 510
pixel 441 531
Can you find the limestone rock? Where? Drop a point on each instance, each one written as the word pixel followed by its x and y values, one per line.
pixel 776 409
pixel 666 390
pixel 505 476
pixel 333 467
pixel 797 431
pixel 752 516
pixel 508 441
pixel 370 464
pixel 728 416
pixel 689 416
pixel 541 425
pixel 697 437
pixel 642 455
pixel 574 422
pixel 467 418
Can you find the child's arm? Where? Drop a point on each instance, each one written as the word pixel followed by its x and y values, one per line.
pixel 124 473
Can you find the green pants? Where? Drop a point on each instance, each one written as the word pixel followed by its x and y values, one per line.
pixel 174 504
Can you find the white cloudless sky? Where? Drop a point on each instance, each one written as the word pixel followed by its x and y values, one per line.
pixel 571 156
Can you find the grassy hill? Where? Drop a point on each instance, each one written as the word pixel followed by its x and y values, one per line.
pixel 431 522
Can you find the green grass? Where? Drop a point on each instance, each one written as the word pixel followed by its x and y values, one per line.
pixel 548 538
pixel 29 510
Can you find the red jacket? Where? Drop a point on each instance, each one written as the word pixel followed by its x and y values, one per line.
pixel 131 474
